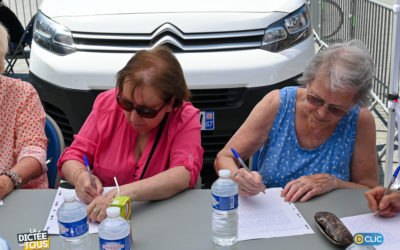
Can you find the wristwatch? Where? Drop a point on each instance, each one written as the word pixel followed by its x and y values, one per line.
pixel 16 179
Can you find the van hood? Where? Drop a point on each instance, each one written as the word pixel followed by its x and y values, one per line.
pixel 70 8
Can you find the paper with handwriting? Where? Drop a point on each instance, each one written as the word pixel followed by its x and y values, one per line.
pixel 268 215
pixel 368 223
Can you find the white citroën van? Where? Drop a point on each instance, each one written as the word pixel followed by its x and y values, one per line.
pixel 233 52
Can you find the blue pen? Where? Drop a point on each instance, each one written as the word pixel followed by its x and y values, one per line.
pixel 389 186
pixel 242 162
pixel 90 173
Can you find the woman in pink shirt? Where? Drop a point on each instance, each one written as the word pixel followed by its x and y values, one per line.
pixel 23 141
pixel 143 132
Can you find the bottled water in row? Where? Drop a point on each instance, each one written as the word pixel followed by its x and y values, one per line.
pixel 225 203
pixel 114 231
pixel 73 223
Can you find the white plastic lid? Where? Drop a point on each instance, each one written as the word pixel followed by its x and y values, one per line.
pixel 113 211
pixel 69 196
pixel 224 173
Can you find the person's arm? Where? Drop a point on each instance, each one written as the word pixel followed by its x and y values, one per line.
pixel 71 166
pixel 246 141
pixel 6 186
pixel 157 187
pixel 185 162
pixel 75 172
pixel 27 168
pixel 388 205
pixel 30 139
pixel 364 166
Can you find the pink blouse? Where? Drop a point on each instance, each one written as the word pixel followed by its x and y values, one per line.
pixel 108 141
pixel 22 120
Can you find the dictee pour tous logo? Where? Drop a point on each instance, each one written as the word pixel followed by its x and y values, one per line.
pixel 34 240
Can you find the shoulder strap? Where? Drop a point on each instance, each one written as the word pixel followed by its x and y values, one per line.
pixel 153 148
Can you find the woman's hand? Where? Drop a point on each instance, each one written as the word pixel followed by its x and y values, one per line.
pixel 306 187
pixel 83 186
pixel 249 184
pixel 6 186
pixel 388 205
pixel 97 208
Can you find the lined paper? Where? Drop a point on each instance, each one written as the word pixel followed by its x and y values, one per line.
pixel 368 223
pixel 268 215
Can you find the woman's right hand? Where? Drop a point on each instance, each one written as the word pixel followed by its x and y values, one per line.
pixel 83 186
pixel 388 205
pixel 250 184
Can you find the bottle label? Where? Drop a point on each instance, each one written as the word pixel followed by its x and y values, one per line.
pixel 124 243
pixel 225 203
pixel 73 229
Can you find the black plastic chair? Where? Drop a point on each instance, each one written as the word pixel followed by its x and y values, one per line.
pixel 22 49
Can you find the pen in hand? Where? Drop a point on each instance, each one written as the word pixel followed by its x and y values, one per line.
pixel 90 173
pixel 389 186
pixel 242 163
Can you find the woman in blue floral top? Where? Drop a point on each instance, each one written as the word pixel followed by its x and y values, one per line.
pixel 312 139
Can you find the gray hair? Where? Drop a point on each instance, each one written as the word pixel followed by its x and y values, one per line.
pixel 3 46
pixel 346 65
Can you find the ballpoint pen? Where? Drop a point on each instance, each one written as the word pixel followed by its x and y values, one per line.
pixel 389 186
pixel 242 163
pixel 88 169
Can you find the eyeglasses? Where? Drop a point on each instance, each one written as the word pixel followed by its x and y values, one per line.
pixel 143 111
pixel 331 108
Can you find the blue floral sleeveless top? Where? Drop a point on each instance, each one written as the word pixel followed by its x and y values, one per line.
pixel 281 158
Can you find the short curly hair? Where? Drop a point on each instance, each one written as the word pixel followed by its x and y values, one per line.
pixel 346 65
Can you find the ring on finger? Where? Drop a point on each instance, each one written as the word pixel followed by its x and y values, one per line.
pixel 101 214
pixel 96 211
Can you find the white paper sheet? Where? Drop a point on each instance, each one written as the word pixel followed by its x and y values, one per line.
pixel 1 202
pixel 368 223
pixel 268 215
pixel 52 223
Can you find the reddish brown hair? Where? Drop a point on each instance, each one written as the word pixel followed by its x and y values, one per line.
pixel 166 75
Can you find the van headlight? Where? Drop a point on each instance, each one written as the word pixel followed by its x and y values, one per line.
pixel 52 36
pixel 288 31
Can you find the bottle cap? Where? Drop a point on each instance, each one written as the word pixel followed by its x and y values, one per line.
pixel 69 196
pixel 224 173
pixel 113 211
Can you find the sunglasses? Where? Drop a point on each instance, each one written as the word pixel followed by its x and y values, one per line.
pixel 331 108
pixel 143 111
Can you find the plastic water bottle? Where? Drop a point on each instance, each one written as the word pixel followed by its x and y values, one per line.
pixel 114 231
pixel 225 203
pixel 4 244
pixel 73 223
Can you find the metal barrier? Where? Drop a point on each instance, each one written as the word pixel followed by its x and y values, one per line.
pixel 369 21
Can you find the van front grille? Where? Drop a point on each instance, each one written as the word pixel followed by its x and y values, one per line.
pixel 169 35
pixel 217 98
